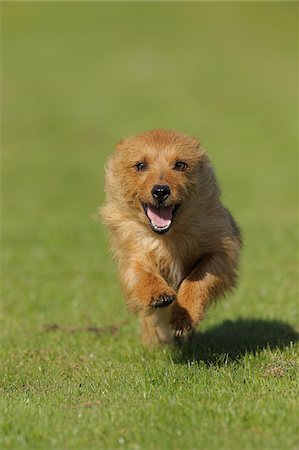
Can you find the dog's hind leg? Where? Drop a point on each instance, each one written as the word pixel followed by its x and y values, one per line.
pixel 155 328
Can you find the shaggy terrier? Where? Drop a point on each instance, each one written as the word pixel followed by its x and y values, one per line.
pixel 177 246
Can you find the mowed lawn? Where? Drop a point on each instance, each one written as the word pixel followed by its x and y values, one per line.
pixel 77 77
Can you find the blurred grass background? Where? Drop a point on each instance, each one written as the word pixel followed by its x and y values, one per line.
pixel 77 77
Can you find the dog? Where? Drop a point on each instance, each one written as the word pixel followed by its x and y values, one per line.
pixel 177 246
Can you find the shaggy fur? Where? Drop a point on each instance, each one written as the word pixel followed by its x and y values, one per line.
pixel 177 253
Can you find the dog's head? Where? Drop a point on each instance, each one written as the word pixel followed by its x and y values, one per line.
pixel 153 176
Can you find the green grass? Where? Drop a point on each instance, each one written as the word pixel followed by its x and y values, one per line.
pixel 76 77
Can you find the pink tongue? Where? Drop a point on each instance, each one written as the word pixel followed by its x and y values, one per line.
pixel 161 217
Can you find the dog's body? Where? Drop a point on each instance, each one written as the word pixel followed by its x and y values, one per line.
pixel 177 246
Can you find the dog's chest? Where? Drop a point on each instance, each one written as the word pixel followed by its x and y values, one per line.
pixel 169 263
pixel 171 267
pixel 174 273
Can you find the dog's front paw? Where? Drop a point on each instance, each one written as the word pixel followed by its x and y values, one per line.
pixel 162 301
pixel 181 321
pixel 181 326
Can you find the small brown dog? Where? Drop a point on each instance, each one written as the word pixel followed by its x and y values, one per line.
pixel 177 246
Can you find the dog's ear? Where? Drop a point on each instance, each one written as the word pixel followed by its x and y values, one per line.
pixel 202 156
pixel 120 144
pixel 196 142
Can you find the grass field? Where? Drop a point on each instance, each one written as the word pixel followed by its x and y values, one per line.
pixel 76 77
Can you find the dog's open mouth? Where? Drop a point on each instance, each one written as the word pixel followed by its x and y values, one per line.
pixel 160 216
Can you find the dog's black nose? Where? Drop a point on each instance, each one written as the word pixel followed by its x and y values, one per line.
pixel 160 192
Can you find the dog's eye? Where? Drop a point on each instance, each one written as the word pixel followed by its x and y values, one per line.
pixel 180 165
pixel 141 166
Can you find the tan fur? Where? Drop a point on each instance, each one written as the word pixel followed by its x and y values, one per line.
pixel 196 261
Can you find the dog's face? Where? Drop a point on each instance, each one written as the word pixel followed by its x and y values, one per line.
pixel 154 174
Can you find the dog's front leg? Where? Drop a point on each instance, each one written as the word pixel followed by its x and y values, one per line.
pixel 212 277
pixel 145 290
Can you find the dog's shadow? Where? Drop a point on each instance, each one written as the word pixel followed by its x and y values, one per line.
pixel 231 340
